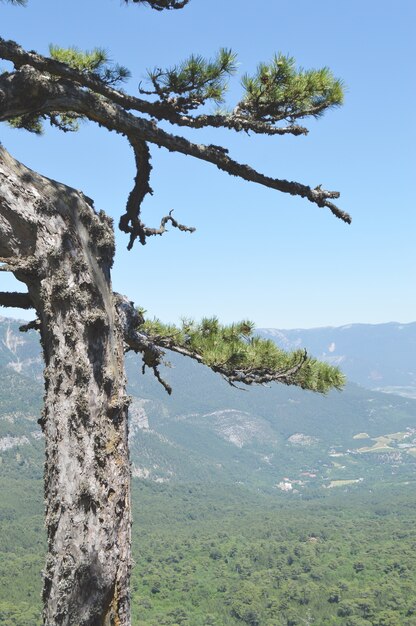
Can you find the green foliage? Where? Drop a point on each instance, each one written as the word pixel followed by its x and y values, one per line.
pixel 280 91
pixel 240 356
pixel 92 62
pixel 22 549
pixel 276 564
pixel 221 555
pixel 196 80
pixel 95 62
pixel 30 122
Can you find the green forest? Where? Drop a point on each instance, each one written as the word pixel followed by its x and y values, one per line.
pixel 209 555
pixel 215 541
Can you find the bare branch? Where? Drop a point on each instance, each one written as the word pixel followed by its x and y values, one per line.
pixel 131 320
pixel 233 121
pixel 33 325
pixel 159 5
pixel 130 221
pixel 16 300
pixel 162 228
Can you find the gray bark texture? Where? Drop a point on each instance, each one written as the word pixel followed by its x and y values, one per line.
pixel 52 239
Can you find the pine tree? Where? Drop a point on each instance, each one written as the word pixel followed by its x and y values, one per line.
pixel 53 240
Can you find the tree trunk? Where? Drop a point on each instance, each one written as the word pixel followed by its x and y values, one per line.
pixel 52 240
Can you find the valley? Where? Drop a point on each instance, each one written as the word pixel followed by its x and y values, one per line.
pixel 267 507
pixel 260 438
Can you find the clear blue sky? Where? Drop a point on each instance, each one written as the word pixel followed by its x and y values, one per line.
pixel 256 253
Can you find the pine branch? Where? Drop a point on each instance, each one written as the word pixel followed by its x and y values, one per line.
pixel 232 351
pixel 95 62
pixel 29 91
pixel 194 82
pixel 160 110
pixel 278 91
pixel 33 92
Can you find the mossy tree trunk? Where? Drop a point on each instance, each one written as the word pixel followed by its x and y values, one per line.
pixel 52 239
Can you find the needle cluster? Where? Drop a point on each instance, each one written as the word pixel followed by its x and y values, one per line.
pixel 240 356
pixel 95 63
pixel 195 81
pixel 278 91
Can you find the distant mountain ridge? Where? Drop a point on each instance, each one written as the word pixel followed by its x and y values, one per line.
pixel 376 356
pixel 208 431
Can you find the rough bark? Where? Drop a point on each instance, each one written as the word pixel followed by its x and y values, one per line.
pixel 52 240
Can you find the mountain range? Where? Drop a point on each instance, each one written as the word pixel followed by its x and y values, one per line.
pixel 376 356
pixel 277 438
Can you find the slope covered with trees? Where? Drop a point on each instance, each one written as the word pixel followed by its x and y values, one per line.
pixel 212 553
pixel 217 556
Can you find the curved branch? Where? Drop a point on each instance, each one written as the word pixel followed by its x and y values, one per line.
pixel 162 228
pixel 130 221
pixel 28 91
pixel 240 365
pixel 11 51
pixel 248 376
pixel 131 319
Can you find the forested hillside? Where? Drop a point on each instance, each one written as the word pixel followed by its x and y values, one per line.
pixel 222 556
pixel 209 431
pixel 272 507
